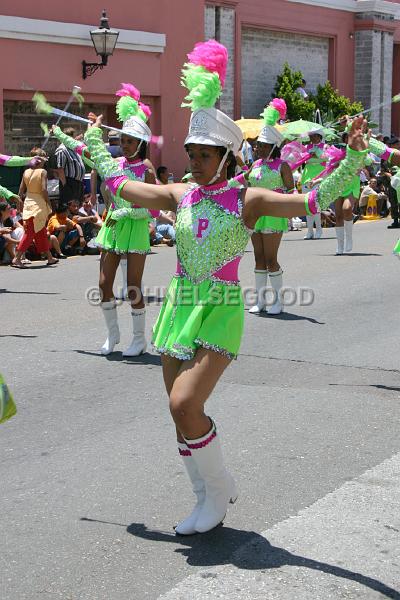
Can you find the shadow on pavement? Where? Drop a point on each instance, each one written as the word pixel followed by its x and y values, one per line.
pixel 286 316
pixel 143 359
pixel 17 335
pixel 5 291
pixel 245 550
pixel 353 254
pixel 374 385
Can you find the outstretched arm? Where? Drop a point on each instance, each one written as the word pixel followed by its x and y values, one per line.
pixel 259 202
pixel 19 161
pixel 159 197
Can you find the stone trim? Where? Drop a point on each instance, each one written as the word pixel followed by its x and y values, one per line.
pixel 56 32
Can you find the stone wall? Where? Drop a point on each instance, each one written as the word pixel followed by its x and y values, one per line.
pixel 263 56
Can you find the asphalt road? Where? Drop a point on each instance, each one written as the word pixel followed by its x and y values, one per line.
pixel 91 484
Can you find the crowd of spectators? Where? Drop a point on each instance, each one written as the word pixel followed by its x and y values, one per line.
pixel 72 201
pixel 75 200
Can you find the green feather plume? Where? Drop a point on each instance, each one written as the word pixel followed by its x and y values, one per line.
pixel 270 115
pixel 127 107
pixel 78 97
pixel 41 104
pixel 45 129
pixel 204 87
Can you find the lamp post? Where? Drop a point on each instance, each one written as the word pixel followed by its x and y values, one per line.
pixel 104 40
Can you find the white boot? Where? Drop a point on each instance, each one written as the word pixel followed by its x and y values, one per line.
pixel 138 344
pixel 110 314
pixel 219 484
pixel 310 227
pixel 276 283
pixel 187 526
pixel 261 284
pixel 348 236
pixel 123 263
pixel 318 226
pixel 340 239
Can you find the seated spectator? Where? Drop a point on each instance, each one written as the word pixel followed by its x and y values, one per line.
pixel 328 218
pixel 7 243
pixel 165 225
pixel 162 175
pixel 67 232
pixel 157 238
pixel 372 189
pixel 86 217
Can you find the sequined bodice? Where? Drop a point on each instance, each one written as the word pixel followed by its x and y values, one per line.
pixel 267 174
pixel 136 171
pixel 210 233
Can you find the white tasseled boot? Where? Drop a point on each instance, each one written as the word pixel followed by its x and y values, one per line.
pixel 138 344
pixel 261 284
pixel 110 315
pixel 348 236
pixel 318 226
pixel 340 240
pixel 188 525
pixel 123 263
pixel 310 227
pixel 276 283
pixel 219 483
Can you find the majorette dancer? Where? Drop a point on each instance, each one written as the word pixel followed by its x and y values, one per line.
pixel 199 329
pixel 271 173
pixel 312 168
pixel 126 229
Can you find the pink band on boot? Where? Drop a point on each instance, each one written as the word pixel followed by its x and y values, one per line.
pixel 115 183
pixel 185 452
pixel 204 443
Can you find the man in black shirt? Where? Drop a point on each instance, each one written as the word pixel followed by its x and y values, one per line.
pixel 71 172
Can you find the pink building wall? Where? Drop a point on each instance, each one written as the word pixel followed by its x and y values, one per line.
pixel 281 15
pixel 55 68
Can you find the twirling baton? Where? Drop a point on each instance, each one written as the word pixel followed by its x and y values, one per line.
pixel 43 106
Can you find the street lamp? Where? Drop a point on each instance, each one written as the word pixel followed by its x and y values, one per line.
pixel 104 40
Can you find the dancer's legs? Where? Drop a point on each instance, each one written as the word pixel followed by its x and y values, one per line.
pixel 191 387
pixel 135 270
pixel 109 262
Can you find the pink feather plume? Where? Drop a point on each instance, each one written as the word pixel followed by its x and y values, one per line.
pixel 128 89
pixel 280 105
pixel 146 109
pixel 211 55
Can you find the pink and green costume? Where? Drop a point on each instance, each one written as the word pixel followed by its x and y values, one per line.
pixel 315 165
pixel 204 305
pixel 6 194
pixel 18 161
pixel 129 231
pixel 267 174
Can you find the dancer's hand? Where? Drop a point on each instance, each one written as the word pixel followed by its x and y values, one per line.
pixel 96 121
pixel 359 134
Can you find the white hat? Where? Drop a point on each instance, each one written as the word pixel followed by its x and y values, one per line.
pixel 317 131
pixel 137 128
pixel 270 135
pixel 211 127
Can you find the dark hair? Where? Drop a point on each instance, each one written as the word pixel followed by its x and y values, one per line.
pixel 276 153
pixel 61 209
pixel 230 161
pixel 344 136
pixel 161 170
pixel 70 131
pixel 73 200
pixel 4 205
pixel 142 150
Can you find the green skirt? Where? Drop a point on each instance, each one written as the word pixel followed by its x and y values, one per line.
pixel 354 189
pixel 271 225
pixel 125 236
pixel 209 315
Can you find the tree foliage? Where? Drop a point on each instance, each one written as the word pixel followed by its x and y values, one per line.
pixel 327 100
